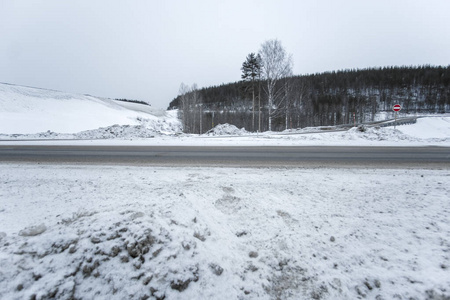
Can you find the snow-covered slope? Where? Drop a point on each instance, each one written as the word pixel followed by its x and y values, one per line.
pixel 437 127
pixel 26 110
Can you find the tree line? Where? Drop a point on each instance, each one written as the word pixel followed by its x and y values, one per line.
pixel 269 97
pixel 132 101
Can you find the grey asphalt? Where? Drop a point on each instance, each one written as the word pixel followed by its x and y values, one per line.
pixel 293 156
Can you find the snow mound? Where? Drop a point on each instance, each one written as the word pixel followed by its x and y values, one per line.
pixel 406 133
pixel 147 129
pixel 127 254
pixel 117 131
pixel 376 134
pixel 226 129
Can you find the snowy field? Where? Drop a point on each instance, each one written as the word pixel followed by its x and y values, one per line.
pixel 107 232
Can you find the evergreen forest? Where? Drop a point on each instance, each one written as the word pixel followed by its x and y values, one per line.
pixel 325 99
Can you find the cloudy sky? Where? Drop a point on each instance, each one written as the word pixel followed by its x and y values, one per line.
pixel 145 49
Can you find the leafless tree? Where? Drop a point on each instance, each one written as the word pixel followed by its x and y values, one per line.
pixel 288 100
pixel 184 108
pixel 276 64
pixel 196 109
pixel 191 108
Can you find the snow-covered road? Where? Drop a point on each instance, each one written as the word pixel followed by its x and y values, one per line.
pixel 109 232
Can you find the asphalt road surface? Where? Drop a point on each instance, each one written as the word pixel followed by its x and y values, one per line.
pixel 405 157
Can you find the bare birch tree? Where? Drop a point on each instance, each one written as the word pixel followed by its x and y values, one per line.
pixel 276 64
pixel 191 108
pixel 196 109
pixel 288 101
pixel 184 106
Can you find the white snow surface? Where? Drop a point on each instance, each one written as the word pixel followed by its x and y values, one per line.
pixel 27 110
pixel 110 232
pixel 438 127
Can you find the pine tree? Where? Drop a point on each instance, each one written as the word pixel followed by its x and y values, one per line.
pixel 251 70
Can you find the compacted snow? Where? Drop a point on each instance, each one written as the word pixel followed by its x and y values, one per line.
pixel 108 232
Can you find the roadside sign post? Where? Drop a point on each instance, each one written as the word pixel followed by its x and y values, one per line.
pixel 396 108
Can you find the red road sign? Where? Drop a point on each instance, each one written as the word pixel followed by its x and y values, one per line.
pixel 396 107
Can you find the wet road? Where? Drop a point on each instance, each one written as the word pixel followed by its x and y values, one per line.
pixel 430 157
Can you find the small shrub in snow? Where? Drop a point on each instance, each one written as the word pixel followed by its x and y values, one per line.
pixel 362 128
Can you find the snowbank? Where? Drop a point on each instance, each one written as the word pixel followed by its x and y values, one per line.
pixel 226 129
pixel 170 134
pixel 223 233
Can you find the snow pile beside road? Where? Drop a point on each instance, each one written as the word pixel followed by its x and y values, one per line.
pixel 223 233
pixel 147 129
pixel 226 129
pixel 438 134
pixel 376 134
pixel 170 134
pixel 116 131
pixel 428 130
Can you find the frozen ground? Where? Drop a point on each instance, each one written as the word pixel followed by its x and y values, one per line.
pixel 106 232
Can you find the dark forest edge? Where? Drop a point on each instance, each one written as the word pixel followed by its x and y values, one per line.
pixel 133 101
pixel 325 99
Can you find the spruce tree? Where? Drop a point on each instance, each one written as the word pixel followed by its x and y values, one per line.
pixel 251 70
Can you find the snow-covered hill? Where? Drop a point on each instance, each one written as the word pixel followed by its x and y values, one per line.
pixel 27 110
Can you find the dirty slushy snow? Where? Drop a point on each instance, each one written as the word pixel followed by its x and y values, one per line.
pixel 109 232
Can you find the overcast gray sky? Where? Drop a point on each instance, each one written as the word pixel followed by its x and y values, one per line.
pixel 144 49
